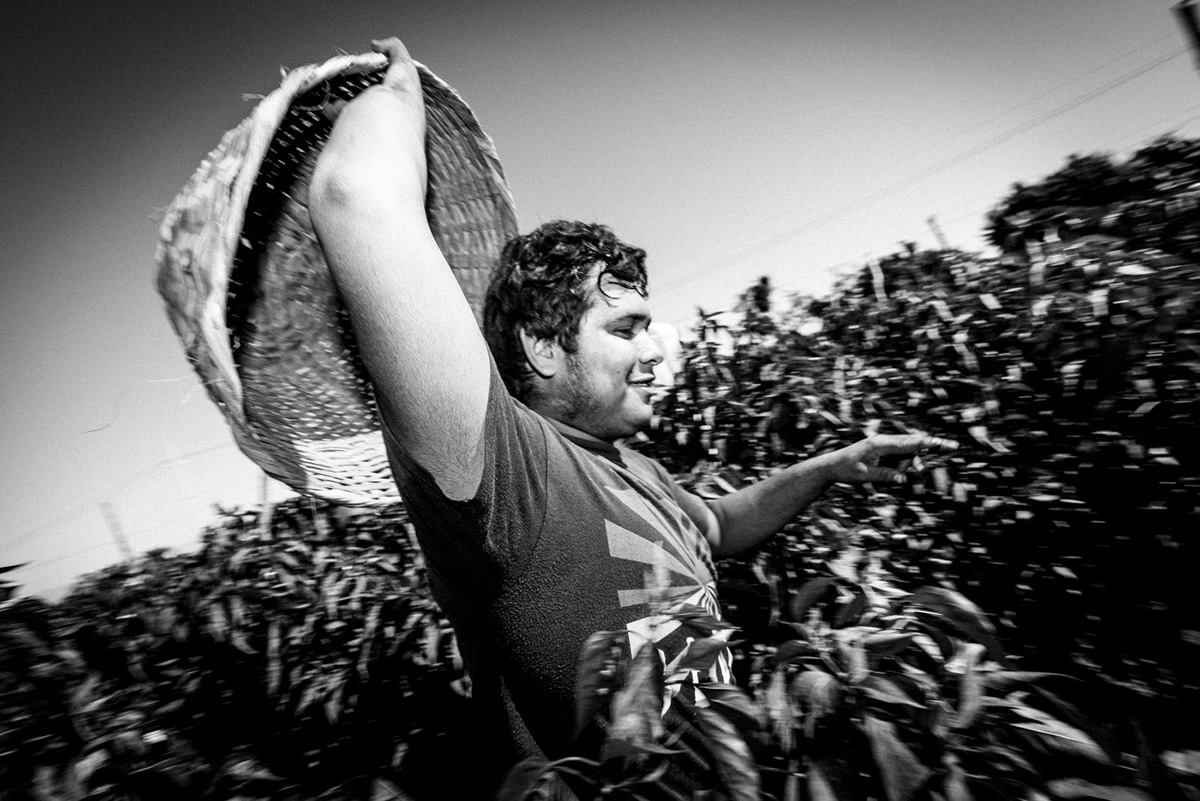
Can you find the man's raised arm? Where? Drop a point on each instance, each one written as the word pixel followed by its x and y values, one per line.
pixel 417 335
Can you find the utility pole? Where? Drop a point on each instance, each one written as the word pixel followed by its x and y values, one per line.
pixel 1185 12
pixel 937 233
pixel 265 511
pixel 118 533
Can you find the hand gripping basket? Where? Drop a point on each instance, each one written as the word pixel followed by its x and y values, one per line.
pixel 248 291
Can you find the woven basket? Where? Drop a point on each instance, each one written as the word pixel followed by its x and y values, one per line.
pixel 250 295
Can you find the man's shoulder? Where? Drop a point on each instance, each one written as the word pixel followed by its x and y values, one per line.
pixel 644 464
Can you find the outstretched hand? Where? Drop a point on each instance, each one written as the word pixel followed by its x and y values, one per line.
pixel 872 459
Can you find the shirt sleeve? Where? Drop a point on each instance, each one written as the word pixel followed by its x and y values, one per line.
pixel 694 507
pixel 480 539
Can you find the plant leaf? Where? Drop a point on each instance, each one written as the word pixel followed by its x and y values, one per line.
pixel 699 655
pixel 808 595
pixel 851 613
pixel 734 760
pixel 955 783
pixel 589 680
pixel 965 615
pixel 779 709
pixel 1078 788
pixel 888 642
pixel 614 748
pixel 820 693
pixel 819 788
pixel 902 773
pixel 734 704
pixel 792 651
pixel 970 694
pixel 636 714
pixel 886 691
pixel 1059 735
pixel 698 620
pixel 521 783
pixel 1003 681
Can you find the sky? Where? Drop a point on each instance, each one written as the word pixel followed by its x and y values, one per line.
pixel 730 140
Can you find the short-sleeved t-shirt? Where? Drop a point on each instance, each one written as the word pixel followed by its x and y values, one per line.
pixel 556 544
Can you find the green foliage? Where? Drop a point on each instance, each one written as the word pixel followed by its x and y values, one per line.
pixel 1150 200
pixel 1070 370
pixel 1071 377
pixel 304 658
pixel 298 659
pixel 911 697
pixel 624 746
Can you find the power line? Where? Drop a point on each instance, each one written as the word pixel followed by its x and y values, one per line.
pixel 37 563
pixel 40 563
pixel 1047 93
pixel 1157 126
pixel 928 172
pixel 90 503
pixel 769 219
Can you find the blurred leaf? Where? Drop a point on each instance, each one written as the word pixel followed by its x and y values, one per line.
pixel 1005 681
pixel 636 713
pixel 1059 735
pixel 887 692
pixel 383 790
pixel 970 695
pixel 590 682
pixel 902 773
pixel 819 788
pixel 615 748
pixel 1078 788
pixel 954 784
pixel 809 595
pixel 965 615
pixel 779 709
pixel 734 761
pixel 699 620
pixel 730 701
pixel 852 612
pixel 699 655
pixel 888 642
pixel 820 693
pixel 523 782
pixel 792 651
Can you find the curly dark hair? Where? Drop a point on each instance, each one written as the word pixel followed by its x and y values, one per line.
pixel 542 283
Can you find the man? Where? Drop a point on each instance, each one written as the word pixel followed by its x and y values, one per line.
pixel 538 527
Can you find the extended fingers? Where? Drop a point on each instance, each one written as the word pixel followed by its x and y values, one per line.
pixel 401 70
pixel 391 47
pixel 876 475
pixel 904 444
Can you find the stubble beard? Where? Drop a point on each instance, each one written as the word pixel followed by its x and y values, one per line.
pixel 583 405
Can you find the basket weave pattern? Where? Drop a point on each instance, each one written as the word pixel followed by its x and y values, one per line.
pixel 249 293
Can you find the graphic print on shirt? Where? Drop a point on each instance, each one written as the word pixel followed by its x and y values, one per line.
pixel 691 580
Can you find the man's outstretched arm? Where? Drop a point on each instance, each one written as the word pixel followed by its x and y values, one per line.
pixel 417 335
pixel 745 518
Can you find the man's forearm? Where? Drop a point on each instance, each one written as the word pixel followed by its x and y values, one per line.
pixel 750 515
pixel 747 517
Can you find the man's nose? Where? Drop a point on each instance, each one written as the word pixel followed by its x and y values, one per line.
pixel 651 351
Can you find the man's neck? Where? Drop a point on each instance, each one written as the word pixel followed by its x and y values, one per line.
pixel 572 431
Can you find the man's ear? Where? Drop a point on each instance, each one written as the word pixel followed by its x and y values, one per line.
pixel 541 354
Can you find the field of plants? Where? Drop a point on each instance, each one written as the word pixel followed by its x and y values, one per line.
pixel 1016 622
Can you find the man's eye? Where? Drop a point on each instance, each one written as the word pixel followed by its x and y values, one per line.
pixel 625 333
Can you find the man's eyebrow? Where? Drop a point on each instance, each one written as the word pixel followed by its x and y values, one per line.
pixel 631 317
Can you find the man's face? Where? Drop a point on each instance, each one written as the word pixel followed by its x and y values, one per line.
pixel 608 381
